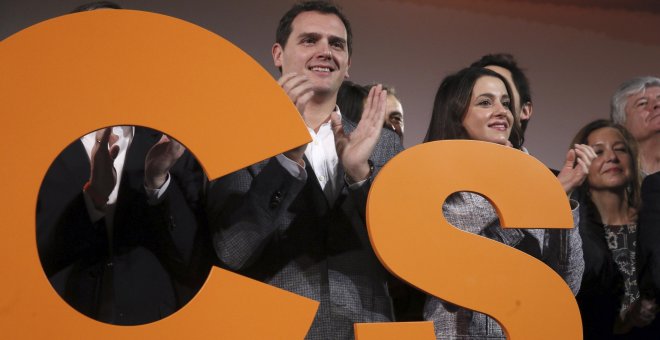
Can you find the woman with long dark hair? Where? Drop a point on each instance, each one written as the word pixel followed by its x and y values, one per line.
pixel 475 103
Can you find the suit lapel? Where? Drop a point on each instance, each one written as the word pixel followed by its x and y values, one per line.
pixel 71 158
pixel 316 192
pixel 313 187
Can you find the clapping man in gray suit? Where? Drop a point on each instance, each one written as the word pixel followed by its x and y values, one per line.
pixel 297 220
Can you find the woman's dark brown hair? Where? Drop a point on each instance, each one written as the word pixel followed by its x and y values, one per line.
pixel 452 102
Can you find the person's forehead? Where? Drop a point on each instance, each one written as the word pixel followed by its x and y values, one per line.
pixel 394 105
pixel 486 84
pixel 506 74
pixel 317 22
pixel 609 134
pixel 393 99
pixel 647 92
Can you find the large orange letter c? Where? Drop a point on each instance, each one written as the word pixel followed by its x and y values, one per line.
pixel 70 75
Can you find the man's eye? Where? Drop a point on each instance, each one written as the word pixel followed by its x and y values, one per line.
pixel 338 45
pixel 641 104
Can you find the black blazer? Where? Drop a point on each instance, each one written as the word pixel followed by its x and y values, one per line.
pixel 648 251
pixel 649 237
pixel 159 256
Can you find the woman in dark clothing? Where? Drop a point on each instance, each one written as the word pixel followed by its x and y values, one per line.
pixel 609 296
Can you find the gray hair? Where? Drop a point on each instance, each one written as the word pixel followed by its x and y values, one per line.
pixel 628 88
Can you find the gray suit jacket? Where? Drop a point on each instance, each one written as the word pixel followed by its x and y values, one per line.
pixel 272 227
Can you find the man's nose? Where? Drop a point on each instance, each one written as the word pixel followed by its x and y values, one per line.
pixel 325 50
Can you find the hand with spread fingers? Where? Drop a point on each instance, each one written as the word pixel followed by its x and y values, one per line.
pixel 355 149
pixel 103 175
pixel 159 160
pixel 576 167
pixel 299 89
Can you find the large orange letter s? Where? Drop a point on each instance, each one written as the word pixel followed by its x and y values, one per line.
pixel 414 241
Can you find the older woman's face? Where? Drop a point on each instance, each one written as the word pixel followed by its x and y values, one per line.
pixel 612 167
pixel 488 117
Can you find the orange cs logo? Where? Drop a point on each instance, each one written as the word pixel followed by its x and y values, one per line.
pixel 77 73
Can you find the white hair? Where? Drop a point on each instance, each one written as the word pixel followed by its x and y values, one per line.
pixel 628 88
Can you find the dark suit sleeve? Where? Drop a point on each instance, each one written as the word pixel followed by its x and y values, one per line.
pixel 649 237
pixel 64 230
pixel 246 208
pixel 177 227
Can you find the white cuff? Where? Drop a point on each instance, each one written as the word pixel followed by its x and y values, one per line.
pixel 356 184
pixel 292 167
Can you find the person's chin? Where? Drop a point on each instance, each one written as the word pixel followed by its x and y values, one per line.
pixel 499 140
pixel 323 90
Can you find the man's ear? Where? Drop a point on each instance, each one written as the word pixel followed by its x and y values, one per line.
pixel 348 66
pixel 526 111
pixel 277 55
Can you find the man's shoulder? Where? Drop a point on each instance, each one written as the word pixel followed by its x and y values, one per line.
pixel 652 178
pixel 387 147
pixel 652 182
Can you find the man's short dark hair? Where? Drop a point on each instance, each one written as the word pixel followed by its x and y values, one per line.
pixel 507 61
pixel 96 5
pixel 324 7
pixel 350 100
